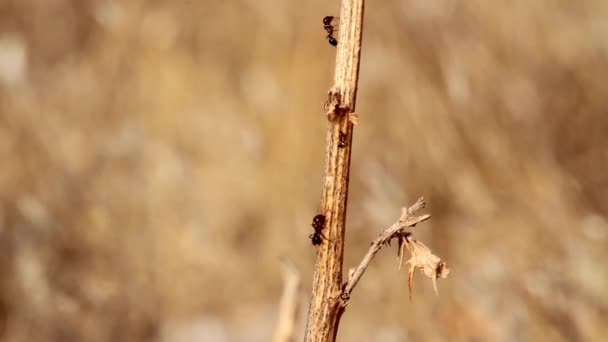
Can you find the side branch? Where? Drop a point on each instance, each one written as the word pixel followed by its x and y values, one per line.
pixel 407 220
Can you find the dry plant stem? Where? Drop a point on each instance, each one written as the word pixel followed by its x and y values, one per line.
pixel 325 307
pixel 289 304
pixel 406 220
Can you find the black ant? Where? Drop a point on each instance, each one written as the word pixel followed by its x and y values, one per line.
pixel 330 29
pixel 318 223
pixel 341 140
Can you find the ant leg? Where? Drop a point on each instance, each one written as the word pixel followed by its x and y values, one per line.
pixel 323 236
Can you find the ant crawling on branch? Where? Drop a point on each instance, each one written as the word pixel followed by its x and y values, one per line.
pixel 330 29
pixel 318 223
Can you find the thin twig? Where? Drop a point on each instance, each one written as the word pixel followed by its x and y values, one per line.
pixel 407 219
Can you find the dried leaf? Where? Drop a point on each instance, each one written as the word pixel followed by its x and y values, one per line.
pixel 353 118
pixel 423 259
pixel 410 282
pixel 400 251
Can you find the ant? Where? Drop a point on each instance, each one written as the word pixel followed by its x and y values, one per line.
pixel 330 29
pixel 341 140
pixel 318 223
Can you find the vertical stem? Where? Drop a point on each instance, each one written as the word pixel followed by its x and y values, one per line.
pixel 325 307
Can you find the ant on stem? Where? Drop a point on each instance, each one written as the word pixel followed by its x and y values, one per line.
pixel 330 29
pixel 318 223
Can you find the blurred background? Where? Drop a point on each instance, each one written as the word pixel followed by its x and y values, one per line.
pixel 160 157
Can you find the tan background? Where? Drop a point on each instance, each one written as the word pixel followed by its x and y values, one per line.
pixel 160 157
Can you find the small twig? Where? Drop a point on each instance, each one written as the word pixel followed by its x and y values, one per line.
pixel 407 219
pixel 288 308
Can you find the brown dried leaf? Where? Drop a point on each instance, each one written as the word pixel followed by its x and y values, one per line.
pixel 423 259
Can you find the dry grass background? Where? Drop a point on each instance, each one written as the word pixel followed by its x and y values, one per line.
pixel 159 157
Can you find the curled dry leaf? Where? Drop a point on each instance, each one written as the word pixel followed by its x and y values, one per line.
pixel 403 239
pixel 400 252
pixel 423 259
